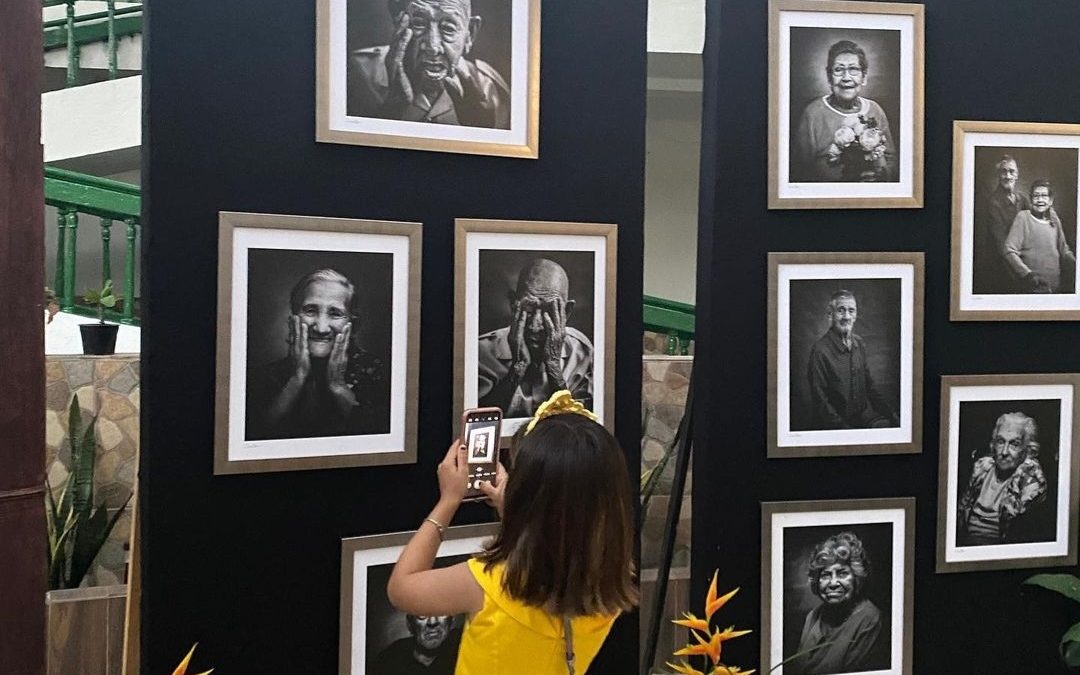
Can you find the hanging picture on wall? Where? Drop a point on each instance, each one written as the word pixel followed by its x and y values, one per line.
pixel 836 586
pixel 318 339
pixel 377 639
pixel 1015 188
pixel 845 354
pixel 534 313
pixel 845 105
pixel 1007 495
pixel 450 76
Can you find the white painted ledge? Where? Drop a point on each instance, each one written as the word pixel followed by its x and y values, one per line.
pixel 62 336
pixel 676 26
pixel 92 119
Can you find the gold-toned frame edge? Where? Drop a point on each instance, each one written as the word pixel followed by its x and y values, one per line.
pixel 771 508
pixel 960 130
pixel 349 547
pixel 915 258
pixel 324 134
pixel 464 226
pixel 918 131
pixel 228 222
pixel 941 566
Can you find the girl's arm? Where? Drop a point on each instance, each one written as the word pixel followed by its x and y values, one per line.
pixel 414 587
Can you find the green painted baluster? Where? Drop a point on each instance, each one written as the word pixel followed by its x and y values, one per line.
pixel 61 236
pixel 106 250
pixel 111 6
pixel 129 271
pixel 72 48
pixel 67 298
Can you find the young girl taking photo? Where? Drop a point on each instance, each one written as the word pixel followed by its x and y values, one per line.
pixel 542 596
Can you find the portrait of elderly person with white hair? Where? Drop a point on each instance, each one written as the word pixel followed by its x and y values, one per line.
pixel 844 633
pixel 1036 249
pixel 1004 485
pixel 428 71
pixel 325 383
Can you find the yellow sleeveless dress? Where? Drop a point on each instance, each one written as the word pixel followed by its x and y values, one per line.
pixel 507 637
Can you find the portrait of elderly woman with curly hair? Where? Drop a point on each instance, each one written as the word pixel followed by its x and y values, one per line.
pixel 844 633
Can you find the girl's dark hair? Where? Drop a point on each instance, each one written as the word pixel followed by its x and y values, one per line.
pixel 567 535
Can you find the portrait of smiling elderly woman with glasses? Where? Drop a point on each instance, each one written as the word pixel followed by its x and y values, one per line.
pixel 840 635
pixel 843 136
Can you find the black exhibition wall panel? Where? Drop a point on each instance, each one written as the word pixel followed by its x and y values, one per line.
pixel 1004 61
pixel 248 565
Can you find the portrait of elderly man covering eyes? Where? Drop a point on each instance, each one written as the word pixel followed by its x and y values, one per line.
pixel 521 365
pixel 843 394
pixel 427 73
pixel 1004 484
pixel 325 384
pixel 430 649
pixel 842 634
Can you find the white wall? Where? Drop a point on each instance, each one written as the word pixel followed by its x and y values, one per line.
pixel 672 144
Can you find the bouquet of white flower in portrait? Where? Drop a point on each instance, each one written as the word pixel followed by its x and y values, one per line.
pixel 858 147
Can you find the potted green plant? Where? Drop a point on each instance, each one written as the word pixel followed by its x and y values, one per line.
pixel 100 337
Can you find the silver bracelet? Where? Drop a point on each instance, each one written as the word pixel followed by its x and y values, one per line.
pixel 439 526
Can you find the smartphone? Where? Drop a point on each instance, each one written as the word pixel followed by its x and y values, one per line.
pixel 480 433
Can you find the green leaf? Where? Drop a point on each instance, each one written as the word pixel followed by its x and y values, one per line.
pixel 109 301
pixel 1065 584
pixel 89 538
pixel 82 472
pixel 1072 635
pixel 1070 652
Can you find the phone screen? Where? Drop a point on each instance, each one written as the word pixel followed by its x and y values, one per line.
pixel 481 438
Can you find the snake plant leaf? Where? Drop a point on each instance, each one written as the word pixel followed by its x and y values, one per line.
pixel 89 538
pixel 82 472
pixel 1065 584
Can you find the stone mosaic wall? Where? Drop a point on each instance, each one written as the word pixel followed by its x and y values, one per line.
pixel 107 386
pixel 665 380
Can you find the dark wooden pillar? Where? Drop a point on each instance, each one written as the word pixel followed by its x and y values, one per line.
pixel 22 360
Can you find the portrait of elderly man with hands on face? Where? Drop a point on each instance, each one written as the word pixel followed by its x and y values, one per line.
pixel 1004 484
pixel 326 385
pixel 843 136
pixel 426 73
pixel 843 394
pixel 841 634
pixel 431 648
pixel 1035 248
pixel 521 365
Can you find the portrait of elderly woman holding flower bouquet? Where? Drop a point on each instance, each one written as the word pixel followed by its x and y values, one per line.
pixel 843 136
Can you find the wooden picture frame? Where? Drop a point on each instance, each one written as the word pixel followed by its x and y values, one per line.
pixel 874 169
pixel 803 423
pixel 1043 533
pixel 987 284
pixel 261 257
pixel 355 99
pixel 587 255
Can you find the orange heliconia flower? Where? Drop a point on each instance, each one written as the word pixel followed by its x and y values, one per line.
pixel 713 603
pixel 685 669
pixel 692 622
pixel 182 668
pixel 730 633
pixel 710 648
pixel 731 670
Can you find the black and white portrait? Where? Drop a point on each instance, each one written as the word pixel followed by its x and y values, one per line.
pixel 846 92
pixel 845 335
pixel 1007 468
pixel 376 638
pixel 1014 231
pixel 442 74
pixel 481 445
pixel 536 320
pixel 318 340
pixel 837 586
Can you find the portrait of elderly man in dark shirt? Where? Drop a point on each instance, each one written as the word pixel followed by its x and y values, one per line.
pixel 430 648
pixel 842 391
pixel 427 73
pixel 521 365
pixel 992 223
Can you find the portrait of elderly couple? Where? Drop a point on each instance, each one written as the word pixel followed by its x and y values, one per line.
pixel 1008 491
pixel 377 639
pixel 836 586
pixel 318 336
pixel 846 105
pixel 1015 221
pixel 845 335
pixel 449 75
pixel 535 311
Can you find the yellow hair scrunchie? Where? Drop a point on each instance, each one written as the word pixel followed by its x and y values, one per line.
pixel 560 403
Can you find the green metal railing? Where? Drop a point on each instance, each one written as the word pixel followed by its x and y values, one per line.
pixel 676 319
pixel 74 194
pixel 73 31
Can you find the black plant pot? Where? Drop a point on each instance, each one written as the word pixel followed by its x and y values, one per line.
pixel 98 338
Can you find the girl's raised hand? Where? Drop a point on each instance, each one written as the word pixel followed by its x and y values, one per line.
pixel 453 474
